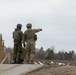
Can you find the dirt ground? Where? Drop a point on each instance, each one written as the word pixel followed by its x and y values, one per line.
pixel 55 70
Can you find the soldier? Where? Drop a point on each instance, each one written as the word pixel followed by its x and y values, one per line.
pixel 30 38
pixel 17 36
pixel 15 45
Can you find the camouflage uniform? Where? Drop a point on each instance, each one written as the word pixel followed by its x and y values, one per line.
pixel 17 44
pixel 30 47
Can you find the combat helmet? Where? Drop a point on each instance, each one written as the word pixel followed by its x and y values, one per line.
pixel 19 25
pixel 29 25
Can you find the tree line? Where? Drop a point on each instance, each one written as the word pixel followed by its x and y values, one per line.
pixel 49 54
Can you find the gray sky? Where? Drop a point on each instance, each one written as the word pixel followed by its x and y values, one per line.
pixel 57 18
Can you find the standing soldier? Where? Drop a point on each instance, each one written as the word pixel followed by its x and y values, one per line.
pixel 17 36
pixel 30 38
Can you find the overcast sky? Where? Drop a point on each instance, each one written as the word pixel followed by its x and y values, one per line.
pixel 57 18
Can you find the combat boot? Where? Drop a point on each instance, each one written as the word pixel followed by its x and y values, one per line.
pixel 26 62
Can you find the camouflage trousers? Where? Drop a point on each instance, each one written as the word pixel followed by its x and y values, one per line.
pixel 17 51
pixel 30 52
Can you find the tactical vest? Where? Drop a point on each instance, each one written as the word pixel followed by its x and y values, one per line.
pixel 16 35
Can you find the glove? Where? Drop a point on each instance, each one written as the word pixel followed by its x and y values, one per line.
pixel 40 29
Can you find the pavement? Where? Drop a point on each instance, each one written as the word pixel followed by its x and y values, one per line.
pixel 17 69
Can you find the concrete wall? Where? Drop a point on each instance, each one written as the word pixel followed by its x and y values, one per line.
pixel 2 52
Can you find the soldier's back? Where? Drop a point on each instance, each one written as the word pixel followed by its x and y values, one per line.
pixel 20 33
pixel 29 34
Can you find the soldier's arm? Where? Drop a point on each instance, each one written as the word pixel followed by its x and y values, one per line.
pixel 37 30
pixel 24 39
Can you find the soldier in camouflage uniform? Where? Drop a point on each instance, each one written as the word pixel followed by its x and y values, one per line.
pixel 15 45
pixel 30 38
pixel 17 36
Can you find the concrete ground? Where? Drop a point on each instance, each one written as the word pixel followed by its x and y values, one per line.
pixel 17 69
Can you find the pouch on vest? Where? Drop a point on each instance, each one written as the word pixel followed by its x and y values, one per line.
pixel 35 37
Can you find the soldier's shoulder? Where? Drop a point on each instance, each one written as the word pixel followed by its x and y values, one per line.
pixel 25 31
pixel 34 29
pixel 19 31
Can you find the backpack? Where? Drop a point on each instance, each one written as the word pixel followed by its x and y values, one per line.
pixel 16 35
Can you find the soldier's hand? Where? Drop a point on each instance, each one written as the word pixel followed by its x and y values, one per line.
pixel 40 29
